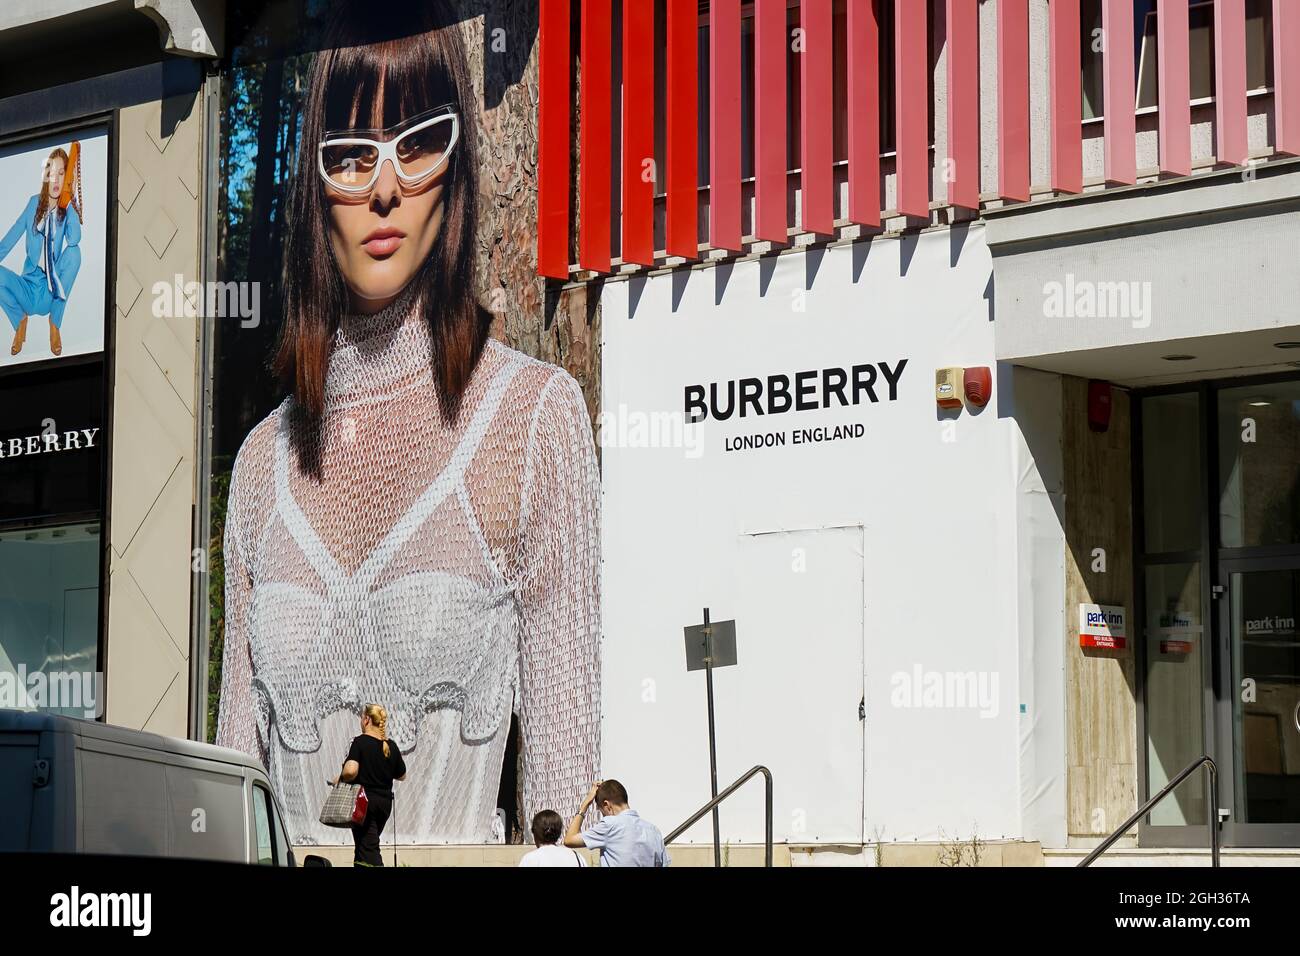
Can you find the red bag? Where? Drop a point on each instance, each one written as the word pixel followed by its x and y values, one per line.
pixel 360 807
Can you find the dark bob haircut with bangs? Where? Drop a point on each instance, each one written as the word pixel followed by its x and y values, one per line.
pixel 362 77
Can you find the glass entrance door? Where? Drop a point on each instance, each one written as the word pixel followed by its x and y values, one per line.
pixel 1218 595
pixel 1258 598
pixel 1259 609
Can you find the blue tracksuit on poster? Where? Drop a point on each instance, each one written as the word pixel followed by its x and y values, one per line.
pixel 53 259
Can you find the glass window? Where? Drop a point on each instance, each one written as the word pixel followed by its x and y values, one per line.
pixel 1091 38
pixel 52 441
pixel 1259 465
pixel 49 617
pixel 1266 695
pixel 1171 472
pixel 794 64
pixel 1174 689
pixel 1200 23
pixel 262 821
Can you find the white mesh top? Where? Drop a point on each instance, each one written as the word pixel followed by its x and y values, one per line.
pixel 448 573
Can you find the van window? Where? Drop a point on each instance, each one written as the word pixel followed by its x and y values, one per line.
pixel 265 855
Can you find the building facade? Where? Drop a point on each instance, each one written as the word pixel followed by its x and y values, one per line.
pixel 966 390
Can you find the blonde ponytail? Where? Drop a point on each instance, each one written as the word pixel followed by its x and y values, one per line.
pixel 379 717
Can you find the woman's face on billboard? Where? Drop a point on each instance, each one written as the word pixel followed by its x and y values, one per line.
pixel 54 176
pixel 382 237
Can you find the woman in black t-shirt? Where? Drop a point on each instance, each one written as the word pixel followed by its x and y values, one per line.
pixel 375 762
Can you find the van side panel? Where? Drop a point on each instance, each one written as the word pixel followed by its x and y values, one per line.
pixel 206 813
pixel 124 804
pixel 18 754
pixel 54 804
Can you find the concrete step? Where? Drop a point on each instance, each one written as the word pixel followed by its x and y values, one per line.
pixel 1174 856
pixel 991 853
pixel 958 853
pixel 683 854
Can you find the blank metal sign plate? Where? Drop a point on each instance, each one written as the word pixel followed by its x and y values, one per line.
pixel 724 645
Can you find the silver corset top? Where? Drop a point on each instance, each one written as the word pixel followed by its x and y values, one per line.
pixel 426 641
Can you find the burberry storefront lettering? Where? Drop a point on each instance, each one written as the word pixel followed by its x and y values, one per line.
pixel 48 442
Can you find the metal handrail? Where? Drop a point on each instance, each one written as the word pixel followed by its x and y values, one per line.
pixel 1168 788
pixel 699 814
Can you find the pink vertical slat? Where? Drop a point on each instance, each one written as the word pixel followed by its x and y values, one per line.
pixel 1175 88
pixel 1120 121
pixel 724 124
pixel 1066 95
pixel 912 113
pixel 1286 76
pixel 963 172
pixel 770 49
pixel 1013 99
pixel 595 145
pixel 681 118
pixel 864 111
pixel 1230 82
pixel 638 132
pixel 553 144
pixel 817 142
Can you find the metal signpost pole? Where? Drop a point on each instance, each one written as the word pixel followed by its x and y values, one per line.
pixel 709 645
pixel 713 750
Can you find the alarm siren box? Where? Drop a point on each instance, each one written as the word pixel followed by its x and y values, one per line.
pixel 1099 406
pixel 978 383
pixel 947 387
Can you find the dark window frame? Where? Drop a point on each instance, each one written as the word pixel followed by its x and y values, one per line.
pixel 110 121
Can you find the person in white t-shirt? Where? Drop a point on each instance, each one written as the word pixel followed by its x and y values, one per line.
pixel 548 827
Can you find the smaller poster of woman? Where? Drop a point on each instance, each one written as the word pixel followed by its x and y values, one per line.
pixel 53 242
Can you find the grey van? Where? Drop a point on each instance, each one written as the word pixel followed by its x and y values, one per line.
pixel 78 786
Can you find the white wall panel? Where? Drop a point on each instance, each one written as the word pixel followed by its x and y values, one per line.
pixel 934 496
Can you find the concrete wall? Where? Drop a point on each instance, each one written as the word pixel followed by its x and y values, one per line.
pixel 154 388
pixel 1101 718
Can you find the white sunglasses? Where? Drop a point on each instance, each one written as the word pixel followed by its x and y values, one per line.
pixel 350 160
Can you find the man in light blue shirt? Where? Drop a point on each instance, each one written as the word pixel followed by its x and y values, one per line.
pixel 622 837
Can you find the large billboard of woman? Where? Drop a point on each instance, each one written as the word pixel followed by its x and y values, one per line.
pixel 415 523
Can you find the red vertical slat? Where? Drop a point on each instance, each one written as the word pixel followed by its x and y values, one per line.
pixel 553 107
pixel 724 124
pixel 1066 65
pixel 963 173
pixel 912 108
pixel 1013 99
pixel 1173 57
pixel 1230 82
pixel 863 24
pixel 594 167
pixel 817 136
pixel 770 47
pixel 638 132
pixel 1120 121
pixel 1286 76
pixel 681 118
